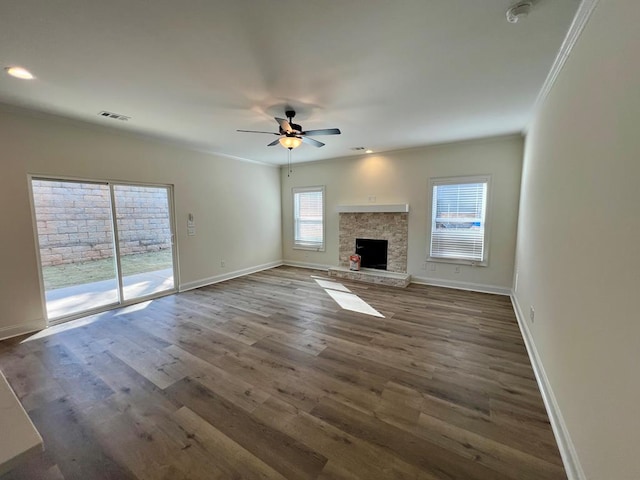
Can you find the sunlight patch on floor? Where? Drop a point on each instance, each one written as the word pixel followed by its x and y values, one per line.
pixel 81 322
pixel 347 300
pixel 332 285
pixel 136 307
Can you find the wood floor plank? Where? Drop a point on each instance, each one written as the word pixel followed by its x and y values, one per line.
pixel 77 450
pixel 495 455
pixel 290 457
pixel 77 381
pixel 230 457
pixel 538 441
pixel 353 454
pixel 333 471
pixel 139 442
pixel 429 456
pixel 31 381
pixel 242 394
pixel 41 467
pixel 157 366
pixel 191 337
pixel 266 376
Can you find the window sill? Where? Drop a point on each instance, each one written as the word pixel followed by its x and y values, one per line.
pixel 458 261
pixel 309 248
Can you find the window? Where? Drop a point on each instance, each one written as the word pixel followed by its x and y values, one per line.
pixel 458 219
pixel 308 218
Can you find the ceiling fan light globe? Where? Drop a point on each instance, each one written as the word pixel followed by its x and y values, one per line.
pixel 290 142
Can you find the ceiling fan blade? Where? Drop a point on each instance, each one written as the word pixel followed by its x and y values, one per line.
pixel 255 131
pixel 311 141
pixel 275 142
pixel 325 131
pixel 284 125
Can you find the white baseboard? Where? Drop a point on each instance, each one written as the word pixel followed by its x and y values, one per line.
pixel 565 445
pixel 228 276
pixel 313 266
pixel 474 287
pixel 15 330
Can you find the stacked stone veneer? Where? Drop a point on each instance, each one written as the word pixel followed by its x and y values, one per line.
pixel 393 227
pixel 74 221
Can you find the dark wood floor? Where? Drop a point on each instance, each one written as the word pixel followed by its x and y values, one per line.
pixel 266 376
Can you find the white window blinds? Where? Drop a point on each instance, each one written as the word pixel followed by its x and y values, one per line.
pixel 308 213
pixel 458 212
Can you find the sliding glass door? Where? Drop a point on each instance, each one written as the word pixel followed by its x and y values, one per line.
pixel 102 244
pixel 144 236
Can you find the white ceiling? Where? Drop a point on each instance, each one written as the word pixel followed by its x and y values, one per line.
pixel 389 74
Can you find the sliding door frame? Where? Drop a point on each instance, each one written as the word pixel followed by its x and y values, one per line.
pixel 118 266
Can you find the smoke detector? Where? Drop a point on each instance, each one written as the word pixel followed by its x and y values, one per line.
pixel 518 11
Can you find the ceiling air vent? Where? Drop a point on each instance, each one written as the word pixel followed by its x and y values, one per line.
pixel 357 149
pixel 115 116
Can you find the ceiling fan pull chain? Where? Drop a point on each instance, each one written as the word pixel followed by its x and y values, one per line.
pixel 289 157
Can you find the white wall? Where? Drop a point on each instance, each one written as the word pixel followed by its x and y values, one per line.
pixel 402 177
pixel 231 201
pixel 578 253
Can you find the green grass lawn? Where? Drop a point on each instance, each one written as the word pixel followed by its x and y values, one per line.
pixel 60 276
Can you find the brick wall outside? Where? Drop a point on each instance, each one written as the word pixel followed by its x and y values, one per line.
pixel 393 227
pixel 74 220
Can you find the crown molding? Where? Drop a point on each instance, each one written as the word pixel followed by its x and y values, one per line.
pixel 581 18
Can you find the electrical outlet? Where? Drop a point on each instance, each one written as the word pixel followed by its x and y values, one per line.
pixel 456 269
pixel 222 263
pixel 432 267
pixel 532 314
pixel 372 199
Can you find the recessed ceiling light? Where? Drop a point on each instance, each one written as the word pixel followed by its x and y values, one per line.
pixel 369 151
pixel 19 72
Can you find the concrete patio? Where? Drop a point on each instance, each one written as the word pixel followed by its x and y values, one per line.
pixel 67 301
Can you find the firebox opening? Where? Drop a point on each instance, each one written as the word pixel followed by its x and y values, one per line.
pixel 373 253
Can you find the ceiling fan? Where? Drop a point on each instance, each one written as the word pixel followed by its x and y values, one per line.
pixel 292 135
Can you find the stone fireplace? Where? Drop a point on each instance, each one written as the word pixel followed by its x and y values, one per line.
pixel 375 222
pixel 392 227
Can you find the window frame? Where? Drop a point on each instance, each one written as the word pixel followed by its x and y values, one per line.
pixel 302 246
pixel 458 180
pixel 110 183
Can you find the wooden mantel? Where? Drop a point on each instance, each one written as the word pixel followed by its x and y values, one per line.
pixel 374 208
